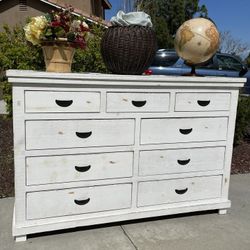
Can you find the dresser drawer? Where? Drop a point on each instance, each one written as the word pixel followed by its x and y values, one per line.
pixel 68 168
pixel 202 101
pixel 49 134
pixel 178 190
pixel 73 201
pixel 171 161
pixel 137 102
pixel 171 130
pixel 59 101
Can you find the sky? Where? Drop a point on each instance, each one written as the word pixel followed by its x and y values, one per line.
pixel 229 15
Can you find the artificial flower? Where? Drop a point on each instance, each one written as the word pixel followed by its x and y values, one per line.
pixel 57 25
pixel 34 29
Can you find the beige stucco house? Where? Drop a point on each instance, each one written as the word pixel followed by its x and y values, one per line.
pixel 16 11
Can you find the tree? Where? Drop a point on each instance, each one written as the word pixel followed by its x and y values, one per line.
pixel 128 5
pixel 231 45
pixel 163 35
pixel 169 14
pixel 248 60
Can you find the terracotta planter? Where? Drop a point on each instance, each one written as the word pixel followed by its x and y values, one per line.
pixel 58 56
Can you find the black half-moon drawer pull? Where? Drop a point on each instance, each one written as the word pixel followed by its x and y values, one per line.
pixel 84 134
pixel 139 103
pixel 181 191
pixel 64 103
pixel 185 131
pixel 203 103
pixel 183 162
pixel 82 202
pixel 83 168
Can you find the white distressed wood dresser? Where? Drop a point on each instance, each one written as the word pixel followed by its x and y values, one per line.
pixel 96 148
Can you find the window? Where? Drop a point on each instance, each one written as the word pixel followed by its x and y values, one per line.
pixel 23 5
pixel 164 59
pixel 95 9
pixel 228 63
pixel 208 65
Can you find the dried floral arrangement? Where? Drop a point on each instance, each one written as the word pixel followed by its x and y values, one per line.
pixel 61 25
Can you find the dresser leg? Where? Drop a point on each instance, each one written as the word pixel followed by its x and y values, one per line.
pixel 222 211
pixel 21 238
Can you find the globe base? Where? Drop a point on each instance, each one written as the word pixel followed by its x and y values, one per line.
pixel 193 72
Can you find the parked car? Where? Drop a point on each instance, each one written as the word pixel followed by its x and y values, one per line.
pixel 167 62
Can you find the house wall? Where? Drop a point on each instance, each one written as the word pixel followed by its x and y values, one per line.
pixel 93 7
pixel 84 5
pixel 10 13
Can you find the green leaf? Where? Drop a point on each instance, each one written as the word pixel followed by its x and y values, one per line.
pixel 48 17
pixel 48 32
pixel 71 36
pixel 59 32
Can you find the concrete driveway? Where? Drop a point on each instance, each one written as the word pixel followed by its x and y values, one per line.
pixel 203 231
pixel 2 107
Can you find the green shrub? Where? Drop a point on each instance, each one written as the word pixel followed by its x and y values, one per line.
pixel 17 53
pixel 7 96
pixel 90 59
pixel 243 119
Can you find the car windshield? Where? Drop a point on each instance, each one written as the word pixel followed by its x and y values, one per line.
pixel 165 59
pixel 228 63
pixel 208 65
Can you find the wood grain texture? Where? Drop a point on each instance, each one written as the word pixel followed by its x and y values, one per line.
pixel 49 101
pixel 137 102
pixel 156 162
pixel 183 130
pixel 62 202
pixel 202 101
pixel 69 168
pixel 178 190
pixel 78 133
pixel 95 157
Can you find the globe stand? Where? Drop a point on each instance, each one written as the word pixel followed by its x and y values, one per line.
pixel 193 72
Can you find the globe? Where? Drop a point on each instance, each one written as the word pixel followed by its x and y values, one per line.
pixel 197 40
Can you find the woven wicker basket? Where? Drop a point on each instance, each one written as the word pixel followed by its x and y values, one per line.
pixel 128 50
pixel 58 56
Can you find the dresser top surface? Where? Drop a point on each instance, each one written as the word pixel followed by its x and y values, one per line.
pixel 29 76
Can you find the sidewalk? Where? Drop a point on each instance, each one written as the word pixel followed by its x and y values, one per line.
pixel 2 107
pixel 205 231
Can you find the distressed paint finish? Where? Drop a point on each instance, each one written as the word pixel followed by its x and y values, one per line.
pixel 169 152
pixel 137 102
pixel 178 190
pixel 78 201
pixel 167 130
pixel 56 101
pixel 155 162
pixel 202 101
pixel 55 134
pixel 78 167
